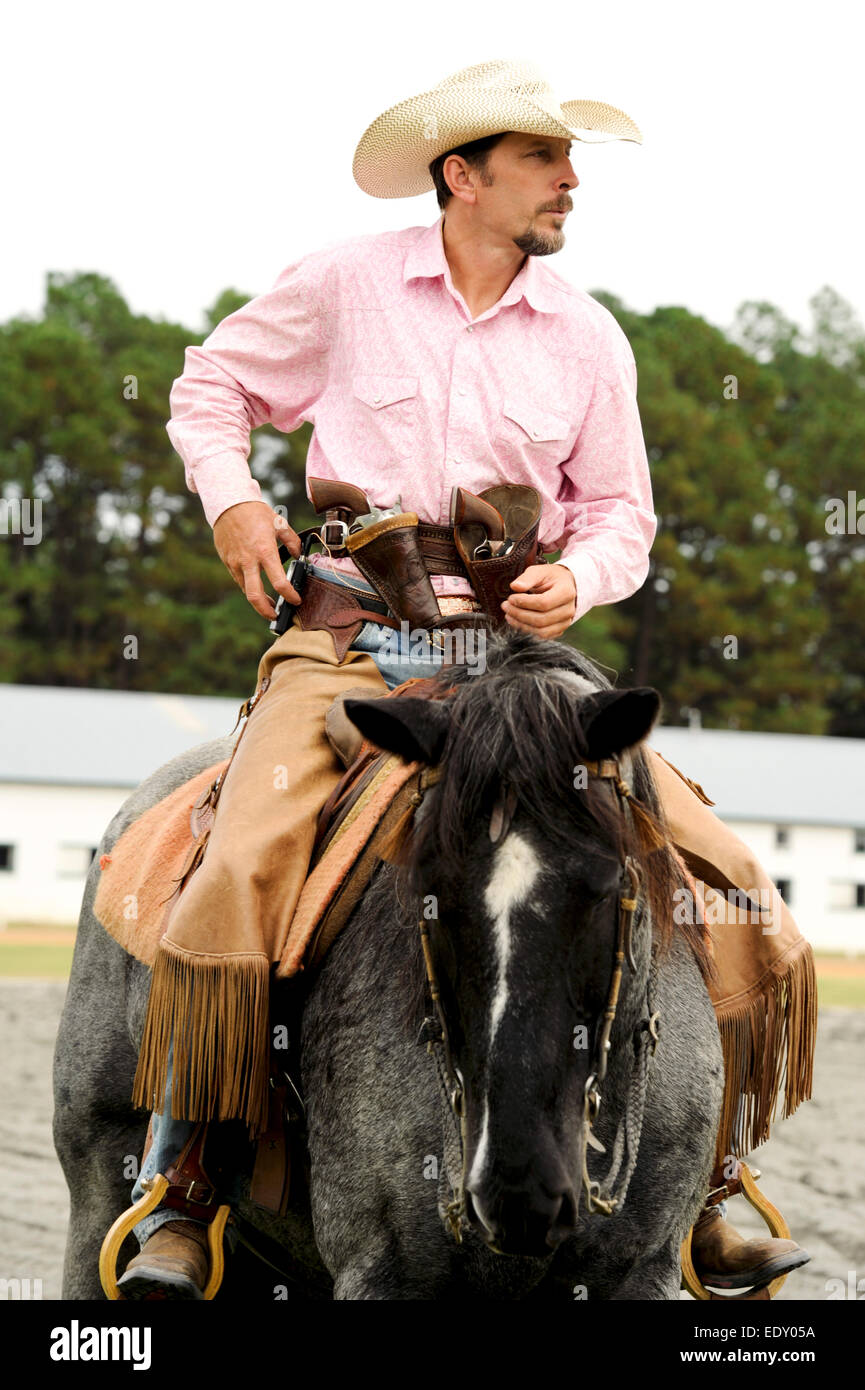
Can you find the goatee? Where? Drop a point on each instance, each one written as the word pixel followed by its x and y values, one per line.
pixel 535 243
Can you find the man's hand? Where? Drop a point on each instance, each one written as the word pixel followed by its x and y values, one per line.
pixel 550 608
pixel 247 537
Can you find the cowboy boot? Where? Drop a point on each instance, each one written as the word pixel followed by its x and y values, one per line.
pixel 172 1264
pixel 724 1259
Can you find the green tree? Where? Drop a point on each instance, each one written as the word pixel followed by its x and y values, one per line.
pixel 726 622
pixel 124 589
pixel 817 436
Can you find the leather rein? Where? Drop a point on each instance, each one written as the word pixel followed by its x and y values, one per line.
pixel 608 1195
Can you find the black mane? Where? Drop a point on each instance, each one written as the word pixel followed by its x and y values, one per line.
pixel 518 725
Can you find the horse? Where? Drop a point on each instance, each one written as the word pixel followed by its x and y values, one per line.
pixel 510 1067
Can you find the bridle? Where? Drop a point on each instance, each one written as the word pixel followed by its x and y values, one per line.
pixel 608 1195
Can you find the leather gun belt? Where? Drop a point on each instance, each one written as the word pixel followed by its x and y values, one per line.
pixel 492 537
pixel 436 542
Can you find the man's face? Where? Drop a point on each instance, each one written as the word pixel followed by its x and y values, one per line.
pixel 525 195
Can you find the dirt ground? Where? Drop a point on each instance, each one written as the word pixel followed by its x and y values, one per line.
pixel 812 1169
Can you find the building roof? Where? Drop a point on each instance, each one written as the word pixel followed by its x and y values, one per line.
pixel 790 779
pixel 107 738
pixel 66 736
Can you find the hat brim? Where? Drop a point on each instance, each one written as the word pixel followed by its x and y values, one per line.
pixel 394 153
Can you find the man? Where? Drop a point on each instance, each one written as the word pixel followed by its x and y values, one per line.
pixel 429 358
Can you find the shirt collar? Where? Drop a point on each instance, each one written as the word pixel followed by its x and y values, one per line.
pixel 426 259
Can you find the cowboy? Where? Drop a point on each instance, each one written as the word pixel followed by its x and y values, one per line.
pixel 431 358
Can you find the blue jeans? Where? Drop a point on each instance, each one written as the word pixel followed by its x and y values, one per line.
pixel 396 663
pixel 170 1138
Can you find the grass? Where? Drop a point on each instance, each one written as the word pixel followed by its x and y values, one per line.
pixel 35 962
pixel 838 990
pixel 40 927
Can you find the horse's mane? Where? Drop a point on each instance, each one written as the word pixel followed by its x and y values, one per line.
pixel 518 725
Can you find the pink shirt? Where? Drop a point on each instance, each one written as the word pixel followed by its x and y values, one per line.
pixel 370 341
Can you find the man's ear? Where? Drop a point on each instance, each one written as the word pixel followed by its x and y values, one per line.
pixel 459 177
pixel 416 729
pixel 614 720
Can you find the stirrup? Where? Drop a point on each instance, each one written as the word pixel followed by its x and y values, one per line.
pixel 157 1187
pixel 773 1219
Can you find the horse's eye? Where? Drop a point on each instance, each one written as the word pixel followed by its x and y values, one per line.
pixel 593 894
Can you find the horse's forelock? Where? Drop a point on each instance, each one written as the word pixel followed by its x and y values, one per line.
pixel 518 723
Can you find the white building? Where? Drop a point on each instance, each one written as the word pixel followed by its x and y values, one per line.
pixel 68 758
pixel 798 801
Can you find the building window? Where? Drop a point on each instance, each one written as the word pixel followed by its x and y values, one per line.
pixel 843 895
pixel 785 888
pixel 73 861
pixel 860 894
pixel 782 837
pixel 859 841
pixel 7 858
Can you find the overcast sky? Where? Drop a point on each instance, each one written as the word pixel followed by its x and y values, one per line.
pixel 180 148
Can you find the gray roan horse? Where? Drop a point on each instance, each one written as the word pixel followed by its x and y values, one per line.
pixel 519 870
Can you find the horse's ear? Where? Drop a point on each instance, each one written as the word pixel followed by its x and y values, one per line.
pixel 408 725
pixel 614 720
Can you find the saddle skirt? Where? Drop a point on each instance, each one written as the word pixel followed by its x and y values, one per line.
pixel 143 874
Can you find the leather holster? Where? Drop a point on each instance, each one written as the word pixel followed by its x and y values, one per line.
pixel 520 508
pixel 339 611
pixel 388 554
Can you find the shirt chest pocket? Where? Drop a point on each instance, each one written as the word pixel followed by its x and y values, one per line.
pixel 525 424
pixel 385 413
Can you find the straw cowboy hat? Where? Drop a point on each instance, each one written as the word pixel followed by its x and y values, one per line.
pixel 393 157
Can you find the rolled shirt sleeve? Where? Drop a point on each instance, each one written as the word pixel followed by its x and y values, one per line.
pixel 607 492
pixel 265 363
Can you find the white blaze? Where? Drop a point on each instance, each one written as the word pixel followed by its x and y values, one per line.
pixel 516 868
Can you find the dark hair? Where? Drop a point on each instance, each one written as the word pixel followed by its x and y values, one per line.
pixel 475 153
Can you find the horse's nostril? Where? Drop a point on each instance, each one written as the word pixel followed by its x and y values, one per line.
pixel 565 1221
pixel 476 1216
pixel 518 1222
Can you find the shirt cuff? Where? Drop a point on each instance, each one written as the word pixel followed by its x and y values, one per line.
pixel 585 572
pixel 221 482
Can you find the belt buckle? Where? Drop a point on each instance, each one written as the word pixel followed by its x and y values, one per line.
pixel 458 603
pixel 717 1195
pixel 328 540
pixel 199 1201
